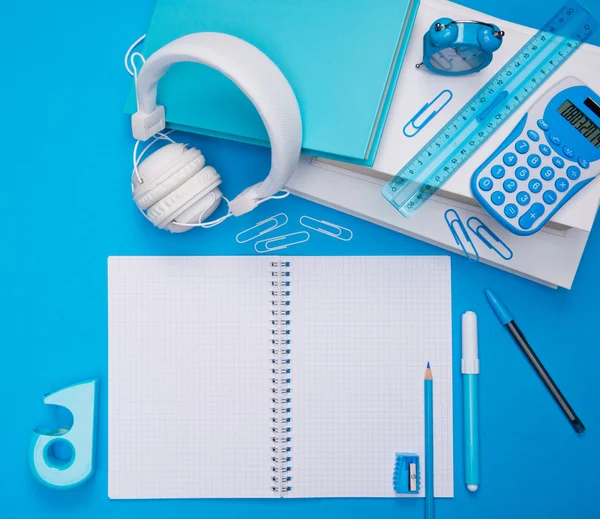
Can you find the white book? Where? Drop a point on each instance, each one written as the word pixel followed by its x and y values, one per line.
pixel 550 256
pixel 213 359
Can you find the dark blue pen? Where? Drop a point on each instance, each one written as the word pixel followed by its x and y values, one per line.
pixel 507 320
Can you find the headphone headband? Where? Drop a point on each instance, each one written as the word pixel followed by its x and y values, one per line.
pixel 255 75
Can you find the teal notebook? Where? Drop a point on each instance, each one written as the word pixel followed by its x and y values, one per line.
pixel 342 58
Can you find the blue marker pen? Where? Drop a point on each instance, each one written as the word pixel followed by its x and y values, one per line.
pixel 470 371
pixel 507 320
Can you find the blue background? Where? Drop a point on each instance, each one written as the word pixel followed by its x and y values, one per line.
pixel 66 155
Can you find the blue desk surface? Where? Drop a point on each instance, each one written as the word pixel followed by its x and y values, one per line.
pixel 65 178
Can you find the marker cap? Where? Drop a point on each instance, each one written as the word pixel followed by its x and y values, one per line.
pixel 470 348
pixel 504 316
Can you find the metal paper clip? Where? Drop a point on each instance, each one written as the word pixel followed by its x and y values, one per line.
pixel 263 245
pixel 279 220
pixel 413 123
pixel 341 234
pixel 457 222
pixel 492 237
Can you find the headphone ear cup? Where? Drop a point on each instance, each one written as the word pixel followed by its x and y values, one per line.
pixel 198 212
pixel 443 37
pixel 486 36
pixel 164 171
pixel 169 208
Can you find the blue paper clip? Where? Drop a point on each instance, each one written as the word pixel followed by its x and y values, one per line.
pixel 477 232
pixel 413 122
pixel 456 221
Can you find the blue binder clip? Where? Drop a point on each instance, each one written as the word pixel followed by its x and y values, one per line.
pixel 506 254
pixel 457 222
pixel 415 125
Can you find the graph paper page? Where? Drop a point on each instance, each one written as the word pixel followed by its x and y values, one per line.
pixel 363 330
pixel 189 385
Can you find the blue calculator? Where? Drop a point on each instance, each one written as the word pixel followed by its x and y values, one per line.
pixel 553 152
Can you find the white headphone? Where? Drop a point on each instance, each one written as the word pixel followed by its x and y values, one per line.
pixel 173 187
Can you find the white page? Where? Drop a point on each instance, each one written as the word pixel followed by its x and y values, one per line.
pixel 362 332
pixel 189 386
pixel 190 374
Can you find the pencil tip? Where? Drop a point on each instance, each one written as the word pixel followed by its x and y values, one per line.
pixel 428 375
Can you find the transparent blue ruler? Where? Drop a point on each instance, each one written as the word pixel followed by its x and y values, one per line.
pixel 489 108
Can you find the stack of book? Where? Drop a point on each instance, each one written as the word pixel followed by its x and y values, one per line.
pixel 551 256
pixel 344 60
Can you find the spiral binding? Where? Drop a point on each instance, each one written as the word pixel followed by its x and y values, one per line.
pixel 280 372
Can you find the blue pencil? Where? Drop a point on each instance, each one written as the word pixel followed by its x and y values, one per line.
pixel 428 443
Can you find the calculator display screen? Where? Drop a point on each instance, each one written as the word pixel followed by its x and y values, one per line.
pixel 581 122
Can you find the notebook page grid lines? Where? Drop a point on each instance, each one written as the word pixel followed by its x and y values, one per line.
pixel 359 369
pixel 189 388
pixel 191 380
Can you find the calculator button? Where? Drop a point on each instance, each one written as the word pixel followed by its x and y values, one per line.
pixel 558 162
pixel 511 210
pixel 497 171
pixel 543 125
pixel 498 198
pixel 510 159
pixel 549 197
pixel 522 173
pixel 522 146
pixel 583 163
pixel 485 183
pixel 523 198
pixel 547 173
pixel 554 140
pixel 534 160
pixel 573 172
pixel 561 185
pixel 510 185
pixel 545 149
pixel 530 217
pixel 568 152
pixel 535 186
pixel 533 135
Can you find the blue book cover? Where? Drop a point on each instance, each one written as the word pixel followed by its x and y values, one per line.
pixel 341 57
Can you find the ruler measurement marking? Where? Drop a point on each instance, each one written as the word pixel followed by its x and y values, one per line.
pixel 477 135
pixel 535 51
pixel 488 109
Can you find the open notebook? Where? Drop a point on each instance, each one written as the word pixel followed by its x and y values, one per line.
pixel 276 376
